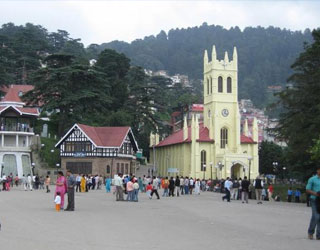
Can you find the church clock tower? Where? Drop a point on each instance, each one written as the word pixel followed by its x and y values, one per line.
pixel 221 111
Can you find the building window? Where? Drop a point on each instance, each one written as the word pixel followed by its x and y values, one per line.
pixel 223 137
pixel 208 86
pixel 229 85
pixel 203 159
pixel 220 84
pixel 211 85
pixel 79 167
pixel 108 169
pixel 122 168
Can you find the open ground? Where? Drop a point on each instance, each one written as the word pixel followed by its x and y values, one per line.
pixel 30 222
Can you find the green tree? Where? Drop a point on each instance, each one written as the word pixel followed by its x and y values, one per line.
pixel 70 90
pixel 300 121
pixel 269 153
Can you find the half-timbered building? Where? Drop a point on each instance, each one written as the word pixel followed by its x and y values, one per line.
pixel 98 150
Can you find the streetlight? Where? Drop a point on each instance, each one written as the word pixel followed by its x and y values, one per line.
pixel 204 171
pixel 220 166
pixel 57 165
pixel 33 166
pixel 249 159
pixel 2 167
pixel 211 183
pixel 275 167
pixel 284 169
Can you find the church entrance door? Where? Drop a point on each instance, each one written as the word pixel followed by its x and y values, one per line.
pixel 237 171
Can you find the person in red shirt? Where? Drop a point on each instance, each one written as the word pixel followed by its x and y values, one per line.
pixel 270 192
pixel 149 190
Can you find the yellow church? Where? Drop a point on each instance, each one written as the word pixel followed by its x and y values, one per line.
pixel 214 148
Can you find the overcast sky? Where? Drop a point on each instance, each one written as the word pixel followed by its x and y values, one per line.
pixel 104 21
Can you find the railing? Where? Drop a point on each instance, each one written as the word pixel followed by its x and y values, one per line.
pixel 17 127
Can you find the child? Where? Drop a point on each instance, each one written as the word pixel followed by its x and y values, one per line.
pixel 57 201
pixel 148 190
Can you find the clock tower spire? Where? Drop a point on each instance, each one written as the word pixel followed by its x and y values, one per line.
pixel 221 99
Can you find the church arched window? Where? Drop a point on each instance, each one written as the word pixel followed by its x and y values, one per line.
pixel 208 86
pixel 211 85
pixel 203 160
pixel 223 137
pixel 108 169
pixel 229 85
pixel 220 84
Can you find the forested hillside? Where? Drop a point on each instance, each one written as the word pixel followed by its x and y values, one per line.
pixel 265 54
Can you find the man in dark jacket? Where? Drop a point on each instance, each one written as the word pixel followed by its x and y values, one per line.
pixel 177 184
pixel 245 189
pixel 171 186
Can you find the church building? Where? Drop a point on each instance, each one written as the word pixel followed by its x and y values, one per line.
pixel 215 148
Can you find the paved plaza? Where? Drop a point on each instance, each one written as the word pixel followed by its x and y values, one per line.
pixel 29 222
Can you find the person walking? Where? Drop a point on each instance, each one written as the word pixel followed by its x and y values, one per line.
pixel 165 186
pixel 186 185
pixel 155 188
pixel 290 194
pixel 78 183
pixel 130 190
pixel 71 182
pixel 61 186
pixel 245 189
pixel 258 185
pixel 83 184
pixel 270 192
pixel 118 182
pixel 227 187
pixel 313 188
pixel 24 183
pixel 29 181
pixel 297 195
pixel 171 186
pixel 47 183
pixel 197 186
pixel 177 185
pixel 191 185
pixel 182 185
pixel 108 184
pixel 136 188
pixel 235 189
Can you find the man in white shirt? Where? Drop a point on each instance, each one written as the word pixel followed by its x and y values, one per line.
pixel 118 182
pixel 4 180
pixel 29 179
pixel 227 188
pixel 78 181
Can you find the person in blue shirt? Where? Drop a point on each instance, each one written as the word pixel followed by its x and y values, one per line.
pixel 313 188
pixel 289 194
pixel 297 195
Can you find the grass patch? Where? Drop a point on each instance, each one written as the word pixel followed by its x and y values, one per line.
pixel 282 190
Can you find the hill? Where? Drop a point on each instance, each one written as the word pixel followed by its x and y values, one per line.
pixel 265 54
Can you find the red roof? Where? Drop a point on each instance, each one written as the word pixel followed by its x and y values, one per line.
pixel 246 139
pixel 197 107
pixel 24 111
pixel 12 92
pixel 177 137
pixel 105 136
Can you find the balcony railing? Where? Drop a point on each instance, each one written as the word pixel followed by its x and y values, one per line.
pixel 17 128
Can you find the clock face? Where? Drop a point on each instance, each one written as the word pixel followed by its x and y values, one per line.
pixel 225 112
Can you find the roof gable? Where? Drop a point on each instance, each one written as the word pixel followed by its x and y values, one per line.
pixel 14 92
pixel 103 137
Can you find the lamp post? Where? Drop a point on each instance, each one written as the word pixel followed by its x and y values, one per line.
pixel 250 159
pixel 211 182
pixel 275 167
pixel 220 166
pixel 2 167
pixel 204 171
pixel 33 166
pixel 284 169
pixel 57 165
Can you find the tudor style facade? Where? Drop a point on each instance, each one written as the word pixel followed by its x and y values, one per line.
pixel 98 150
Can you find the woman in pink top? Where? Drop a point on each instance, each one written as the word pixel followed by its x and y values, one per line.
pixel 130 191
pixel 61 186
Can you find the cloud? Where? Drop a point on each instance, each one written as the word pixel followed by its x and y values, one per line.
pixel 104 21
